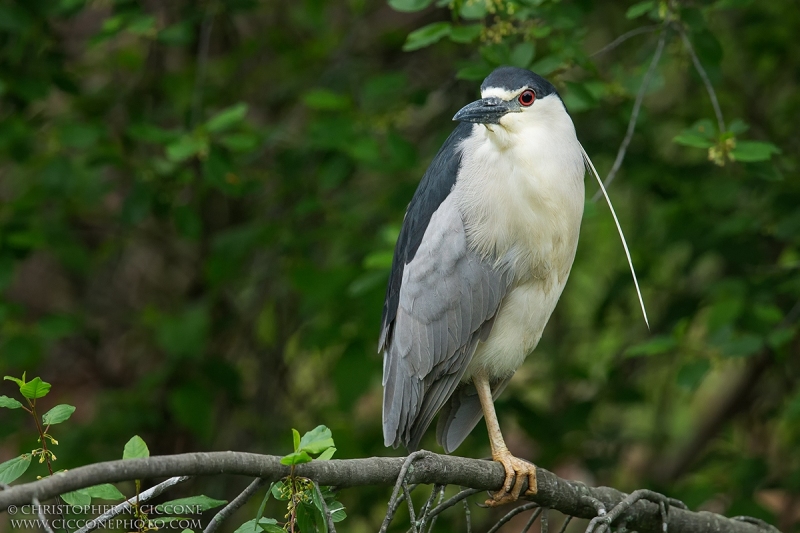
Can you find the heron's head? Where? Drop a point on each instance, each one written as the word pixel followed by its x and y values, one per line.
pixel 513 98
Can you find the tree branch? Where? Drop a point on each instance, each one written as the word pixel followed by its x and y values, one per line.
pixel 624 37
pixel 150 493
pixel 570 498
pixel 712 94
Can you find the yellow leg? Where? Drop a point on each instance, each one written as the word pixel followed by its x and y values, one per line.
pixel 517 470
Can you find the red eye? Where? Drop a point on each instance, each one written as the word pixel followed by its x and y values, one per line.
pixel 527 97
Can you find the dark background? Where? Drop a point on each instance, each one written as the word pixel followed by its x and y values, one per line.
pixel 199 202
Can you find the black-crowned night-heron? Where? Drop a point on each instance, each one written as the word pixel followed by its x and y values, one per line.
pixel 485 250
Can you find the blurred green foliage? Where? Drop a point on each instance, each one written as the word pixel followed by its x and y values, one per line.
pixel 199 200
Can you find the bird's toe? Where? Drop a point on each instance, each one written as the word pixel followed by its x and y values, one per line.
pixel 517 472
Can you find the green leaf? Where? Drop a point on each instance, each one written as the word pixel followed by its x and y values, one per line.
pixel 240 142
pixel 379 260
pixel 426 36
pixel 742 345
pixel 317 440
pixel 18 381
pixel 296 439
pixel 320 523
pixel 547 65
pixel 135 448
pixel 474 72
pixel 296 458
pixel 9 403
pixel 177 34
pixel 327 454
pixel 185 333
pixel 35 388
pixel 465 34
pixel 408 6
pixel 738 126
pixel 701 134
pixel 13 468
pixel 142 25
pixel 751 151
pixel 305 518
pixel 472 10
pixel 693 139
pixel 77 497
pixel 227 118
pixel 151 133
pixel 58 414
pixel 185 147
pixel 317 498
pixel 263 505
pixel 691 375
pixel 193 408
pixel 654 346
pixel 337 511
pixel 780 337
pixel 326 100
pixel 106 491
pixel 277 491
pixel 190 505
pixel 637 10
pixel 75 135
pixel 496 54
pixel 522 55
pixel 250 525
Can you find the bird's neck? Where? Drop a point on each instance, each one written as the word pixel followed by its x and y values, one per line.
pixel 521 196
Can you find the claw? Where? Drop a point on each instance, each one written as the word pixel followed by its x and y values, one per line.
pixel 517 471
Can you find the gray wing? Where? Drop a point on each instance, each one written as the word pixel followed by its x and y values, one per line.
pixel 448 298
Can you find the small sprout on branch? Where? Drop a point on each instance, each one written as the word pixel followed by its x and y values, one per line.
pixel 310 508
pixel 724 146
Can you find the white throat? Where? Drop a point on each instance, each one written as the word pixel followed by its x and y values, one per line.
pixel 520 188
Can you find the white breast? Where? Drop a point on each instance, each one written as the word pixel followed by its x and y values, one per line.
pixel 520 191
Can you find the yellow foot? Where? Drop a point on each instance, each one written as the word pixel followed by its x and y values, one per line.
pixel 517 471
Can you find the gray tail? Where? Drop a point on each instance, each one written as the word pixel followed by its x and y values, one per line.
pixel 461 414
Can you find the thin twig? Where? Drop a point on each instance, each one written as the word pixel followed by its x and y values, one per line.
pixel 607 519
pixel 514 512
pixel 402 497
pixel 433 519
pixel 454 500
pixel 423 517
pixel 706 81
pixel 624 37
pixel 124 506
pixel 42 518
pixel 637 104
pixel 411 513
pixel 565 524
pixel 325 510
pixel 393 501
pixel 467 516
pixel 235 504
pixel 530 522
pixel 202 61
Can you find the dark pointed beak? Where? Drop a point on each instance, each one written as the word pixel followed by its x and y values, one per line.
pixel 484 111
